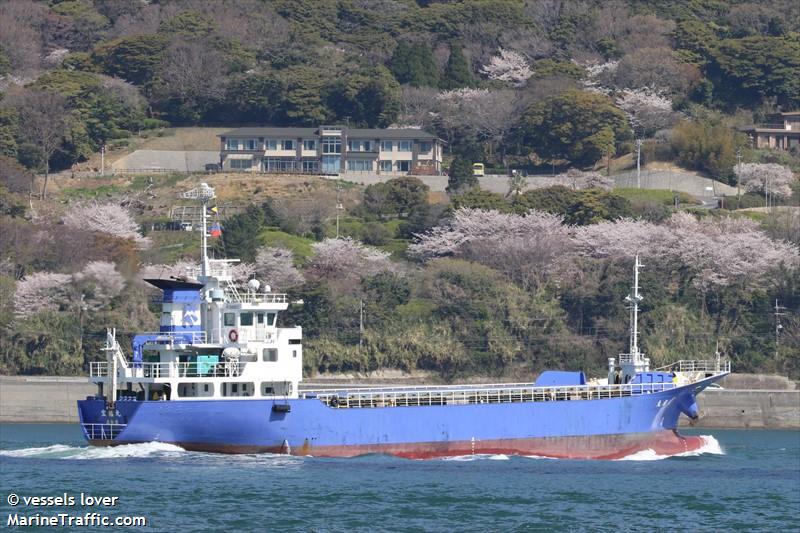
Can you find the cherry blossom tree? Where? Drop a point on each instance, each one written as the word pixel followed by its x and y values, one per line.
pixel 578 179
pixel 508 66
pixel 41 291
pixel 346 258
pixel 95 286
pixel 99 282
pixel 417 106
pixel 468 225
pixel 178 269
pixel 104 218
pixel 276 267
pixel 647 110
pixel 712 252
pixel 490 114
pixel 767 178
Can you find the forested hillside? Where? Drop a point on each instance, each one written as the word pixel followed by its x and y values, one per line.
pixel 505 81
pixel 472 284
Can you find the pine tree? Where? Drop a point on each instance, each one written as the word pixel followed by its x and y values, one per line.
pixel 461 177
pixel 457 72
pixel 413 64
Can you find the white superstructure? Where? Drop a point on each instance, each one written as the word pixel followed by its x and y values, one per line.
pixel 217 340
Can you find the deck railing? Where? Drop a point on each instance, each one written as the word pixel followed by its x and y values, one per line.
pixel 177 337
pixel 256 297
pixel 99 369
pixel 102 431
pixel 687 365
pixel 389 397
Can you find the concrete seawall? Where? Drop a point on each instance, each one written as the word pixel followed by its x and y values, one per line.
pixel 748 409
pixel 52 399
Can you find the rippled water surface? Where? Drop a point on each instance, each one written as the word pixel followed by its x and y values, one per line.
pixel 745 480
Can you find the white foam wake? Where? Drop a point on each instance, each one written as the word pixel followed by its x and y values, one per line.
pixel 62 451
pixel 710 446
pixel 477 457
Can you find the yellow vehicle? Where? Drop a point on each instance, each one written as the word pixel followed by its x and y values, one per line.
pixel 477 169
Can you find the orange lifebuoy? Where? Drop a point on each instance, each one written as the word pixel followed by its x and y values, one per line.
pixel 233 335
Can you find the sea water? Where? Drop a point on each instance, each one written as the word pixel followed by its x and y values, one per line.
pixel 741 480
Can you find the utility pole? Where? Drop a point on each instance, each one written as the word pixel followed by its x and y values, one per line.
pixel 103 160
pixel 638 163
pixel 81 311
pixel 339 206
pixel 360 323
pixel 738 176
pixel 778 325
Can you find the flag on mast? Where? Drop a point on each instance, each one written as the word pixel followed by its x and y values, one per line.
pixel 216 230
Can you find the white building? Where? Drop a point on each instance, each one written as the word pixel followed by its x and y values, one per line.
pixel 331 150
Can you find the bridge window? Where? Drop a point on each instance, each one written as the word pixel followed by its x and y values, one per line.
pixel 271 319
pixel 229 319
pixel 270 355
pixel 195 390
pixel 246 319
pixel 276 388
pixel 238 389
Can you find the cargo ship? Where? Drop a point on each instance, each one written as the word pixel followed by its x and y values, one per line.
pixel 221 375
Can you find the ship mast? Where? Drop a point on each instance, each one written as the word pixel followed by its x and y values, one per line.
pixel 633 300
pixel 204 193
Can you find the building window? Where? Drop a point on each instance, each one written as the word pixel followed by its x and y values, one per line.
pixel 274 164
pixel 385 166
pixel 241 164
pixel 287 144
pixel 331 145
pixel 271 144
pixel 310 166
pixel 309 144
pixel 232 144
pixel 404 146
pixel 359 146
pixel 425 147
pixel 250 144
pixel 387 146
pixel 359 165
pixel 403 166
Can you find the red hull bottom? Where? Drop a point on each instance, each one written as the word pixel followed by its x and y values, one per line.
pixel 666 442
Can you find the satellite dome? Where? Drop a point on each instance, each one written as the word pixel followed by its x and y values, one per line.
pixel 254 284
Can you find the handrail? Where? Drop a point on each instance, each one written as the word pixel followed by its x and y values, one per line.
pixel 102 431
pixel 256 297
pixel 703 365
pixel 496 394
pixel 176 337
pixel 99 369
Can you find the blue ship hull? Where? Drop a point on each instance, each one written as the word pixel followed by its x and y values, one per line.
pixel 598 428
